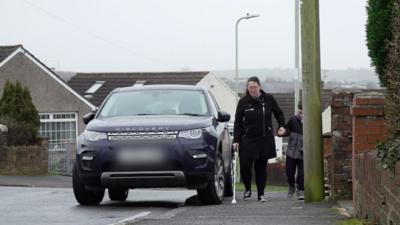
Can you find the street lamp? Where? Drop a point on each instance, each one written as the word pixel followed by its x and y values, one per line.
pixel 297 71
pixel 248 16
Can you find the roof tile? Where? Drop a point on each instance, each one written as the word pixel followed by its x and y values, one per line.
pixel 81 82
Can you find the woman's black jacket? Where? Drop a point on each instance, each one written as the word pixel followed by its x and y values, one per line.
pixel 253 126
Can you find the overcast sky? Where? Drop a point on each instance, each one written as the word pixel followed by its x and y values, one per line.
pixel 170 35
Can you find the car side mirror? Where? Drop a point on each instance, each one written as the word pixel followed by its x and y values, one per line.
pixel 88 117
pixel 223 116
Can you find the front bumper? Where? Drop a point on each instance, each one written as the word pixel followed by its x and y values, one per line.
pixel 144 179
pixel 181 167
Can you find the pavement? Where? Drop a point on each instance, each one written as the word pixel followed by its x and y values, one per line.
pixel 50 181
pixel 277 210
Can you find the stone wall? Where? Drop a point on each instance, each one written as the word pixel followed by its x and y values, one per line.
pixel 23 160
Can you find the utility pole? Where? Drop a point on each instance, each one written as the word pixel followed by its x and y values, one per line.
pixel 312 128
pixel 297 71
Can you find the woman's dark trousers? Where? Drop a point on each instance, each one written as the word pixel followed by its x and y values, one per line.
pixel 260 169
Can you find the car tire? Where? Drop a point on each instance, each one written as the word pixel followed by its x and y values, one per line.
pixel 229 181
pixel 214 191
pixel 118 194
pixel 82 195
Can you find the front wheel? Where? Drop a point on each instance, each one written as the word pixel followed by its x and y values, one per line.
pixel 214 192
pixel 229 180
pixel 82 195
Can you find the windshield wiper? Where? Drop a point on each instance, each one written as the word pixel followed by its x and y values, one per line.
pixel 145 114
pixel 191 114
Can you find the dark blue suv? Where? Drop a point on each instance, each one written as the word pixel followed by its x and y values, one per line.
pixel 154 136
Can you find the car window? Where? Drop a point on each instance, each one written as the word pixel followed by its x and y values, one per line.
pixel 155 102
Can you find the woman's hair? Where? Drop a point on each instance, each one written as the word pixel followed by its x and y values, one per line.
pixel 252 79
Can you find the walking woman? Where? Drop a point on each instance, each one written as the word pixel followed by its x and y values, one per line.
pixel 254 136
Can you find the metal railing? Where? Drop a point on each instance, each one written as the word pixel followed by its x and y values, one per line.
pixel 61 158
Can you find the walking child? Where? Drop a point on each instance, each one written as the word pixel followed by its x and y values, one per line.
pixel 294 154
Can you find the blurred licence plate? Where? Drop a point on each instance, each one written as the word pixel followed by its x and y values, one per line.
pixel 140 156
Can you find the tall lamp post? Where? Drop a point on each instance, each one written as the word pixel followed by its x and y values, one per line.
pixel 297 71
pixel 248 16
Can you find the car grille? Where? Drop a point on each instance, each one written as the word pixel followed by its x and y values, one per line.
pixel 161 135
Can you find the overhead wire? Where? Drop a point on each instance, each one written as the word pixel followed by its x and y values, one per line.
pixel 94 35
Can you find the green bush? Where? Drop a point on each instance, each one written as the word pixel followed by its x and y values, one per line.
pixel 352 222
pixel 389 151
pixel 379 32
pixel 19 114
pixel 19 133
pixel 383 41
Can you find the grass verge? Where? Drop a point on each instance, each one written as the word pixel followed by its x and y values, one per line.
pixel 352 222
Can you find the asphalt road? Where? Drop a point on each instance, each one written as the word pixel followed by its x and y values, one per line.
pixel 50 206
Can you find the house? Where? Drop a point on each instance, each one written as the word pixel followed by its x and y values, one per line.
pixel 60 107
pixel 95 87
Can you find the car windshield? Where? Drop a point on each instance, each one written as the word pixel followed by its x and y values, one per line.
pixel 155 102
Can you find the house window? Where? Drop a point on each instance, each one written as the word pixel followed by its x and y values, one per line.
pixel 95 87
pixel 59 128
pixel 44 116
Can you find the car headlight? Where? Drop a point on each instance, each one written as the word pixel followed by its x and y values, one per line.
pixel 191 134
pixel 94 136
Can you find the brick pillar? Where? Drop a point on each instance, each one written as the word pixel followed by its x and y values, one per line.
pixel 340 161
pixel 368 128
pixel 368 121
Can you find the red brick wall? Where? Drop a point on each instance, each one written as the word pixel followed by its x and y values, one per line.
pixel 339 153
pixel 276 174
pixel 327 140
pixel 376 192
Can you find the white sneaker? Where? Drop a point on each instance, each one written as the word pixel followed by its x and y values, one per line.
pixel 300 195
pixel 291 192
pixel 247 195
pixel 261 198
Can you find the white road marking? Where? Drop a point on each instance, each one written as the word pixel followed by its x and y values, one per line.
pixel 121 222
